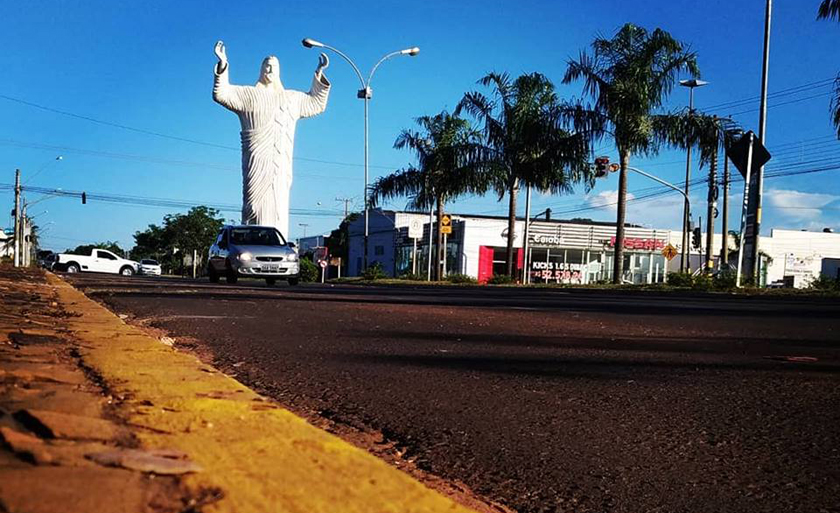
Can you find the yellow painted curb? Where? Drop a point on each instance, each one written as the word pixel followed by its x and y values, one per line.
pixel 263 457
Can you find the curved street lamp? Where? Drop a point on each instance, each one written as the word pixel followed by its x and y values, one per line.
pixel 365 93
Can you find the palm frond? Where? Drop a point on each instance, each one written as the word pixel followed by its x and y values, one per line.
pixel 829 9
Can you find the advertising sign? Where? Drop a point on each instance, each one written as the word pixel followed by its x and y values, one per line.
pixel 558 272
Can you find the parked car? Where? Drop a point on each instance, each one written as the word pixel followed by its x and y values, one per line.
pixel 255 252
pixel 99 261
pixel 46 259
pixel 149 267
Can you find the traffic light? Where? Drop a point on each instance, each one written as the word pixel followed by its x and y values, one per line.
pixel 84 198
pixel 602 166
pixel 695 237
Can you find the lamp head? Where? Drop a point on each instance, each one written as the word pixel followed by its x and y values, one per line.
pixel 60 157
pixel 410 51
pixel 311 43
pixel 693 83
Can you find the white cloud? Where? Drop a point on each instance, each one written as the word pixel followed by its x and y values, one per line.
pixel 797 205
pixel 605 200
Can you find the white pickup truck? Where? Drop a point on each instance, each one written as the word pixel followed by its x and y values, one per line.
pixel 99 261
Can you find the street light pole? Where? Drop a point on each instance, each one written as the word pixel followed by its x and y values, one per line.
pixel 685 265
pixel 365 93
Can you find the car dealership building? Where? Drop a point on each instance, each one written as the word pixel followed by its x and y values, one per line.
pixel 560 251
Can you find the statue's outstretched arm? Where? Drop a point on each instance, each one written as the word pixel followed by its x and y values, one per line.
pixel 231 97
pixel 315 102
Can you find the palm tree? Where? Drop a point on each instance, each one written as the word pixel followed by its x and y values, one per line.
pixel 830 9
pixel 525 142
pixel 445 148
pixel 628 77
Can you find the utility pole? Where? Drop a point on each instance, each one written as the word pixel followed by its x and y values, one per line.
pixel 346 202
pixel 753 263
pixel 24 250
pixel 17 218
pixel 724 248
pixel 710 214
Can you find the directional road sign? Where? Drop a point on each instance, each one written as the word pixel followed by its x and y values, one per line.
pixel 446 224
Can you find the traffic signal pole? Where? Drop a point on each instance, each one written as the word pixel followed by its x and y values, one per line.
pixel 724 249
pixel 710 215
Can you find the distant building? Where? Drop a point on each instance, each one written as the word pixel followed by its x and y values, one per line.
pixel 7 246
pixel 307 244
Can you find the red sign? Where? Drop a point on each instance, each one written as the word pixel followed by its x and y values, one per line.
pixel 634 243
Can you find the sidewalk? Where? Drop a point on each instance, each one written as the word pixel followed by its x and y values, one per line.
pixel 97 416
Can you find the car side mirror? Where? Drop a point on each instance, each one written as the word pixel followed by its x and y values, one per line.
pixel 291 245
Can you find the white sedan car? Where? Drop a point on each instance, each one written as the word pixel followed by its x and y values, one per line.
pixel 149 267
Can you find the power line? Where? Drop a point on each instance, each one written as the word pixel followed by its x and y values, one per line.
pixel 146 201
pixel 782 92
pixel 821 95
pixel 167 136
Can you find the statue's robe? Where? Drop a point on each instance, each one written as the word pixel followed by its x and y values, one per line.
pixel 268 115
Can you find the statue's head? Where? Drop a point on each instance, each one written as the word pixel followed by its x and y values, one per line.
pixel 270 72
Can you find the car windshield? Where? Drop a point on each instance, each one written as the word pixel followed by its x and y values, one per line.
pixel 149 262
pixel 256 237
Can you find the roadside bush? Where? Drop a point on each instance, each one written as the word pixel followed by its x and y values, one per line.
pixel 308 271
pixel 680 280
pixel 413 277
pixel 374 272
pixel 460 278
pixel 825 283
pixel 500 279
pixel 724 280
pixel 702 281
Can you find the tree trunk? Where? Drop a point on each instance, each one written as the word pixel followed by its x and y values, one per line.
pixel 511 263
pixel 618 260
pixel 439 246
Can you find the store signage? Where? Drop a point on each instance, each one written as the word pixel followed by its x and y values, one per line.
pixel 634 243
pixel 547 240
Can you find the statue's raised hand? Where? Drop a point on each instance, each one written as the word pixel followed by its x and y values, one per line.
pixel 220 53
pixel 323 63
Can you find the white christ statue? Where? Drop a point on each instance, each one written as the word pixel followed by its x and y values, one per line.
pixel 268 114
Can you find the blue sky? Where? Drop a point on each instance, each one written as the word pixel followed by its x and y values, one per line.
pixel 148 65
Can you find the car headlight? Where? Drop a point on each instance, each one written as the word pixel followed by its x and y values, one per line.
pixel 244 257
pixel 292 258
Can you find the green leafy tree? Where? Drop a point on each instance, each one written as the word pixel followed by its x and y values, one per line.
pixel 628 78
pixel 525 141
pixel 193 231
pixel 180 233
pixel 85 249
pixel 338 240
pixel 830 9
pixel 446 148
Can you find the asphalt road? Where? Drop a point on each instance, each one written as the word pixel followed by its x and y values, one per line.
pixel 543 400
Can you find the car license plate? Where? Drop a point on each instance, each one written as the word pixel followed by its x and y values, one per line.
pixel 269 268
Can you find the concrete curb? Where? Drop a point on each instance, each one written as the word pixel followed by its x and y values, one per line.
pixel 262 457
